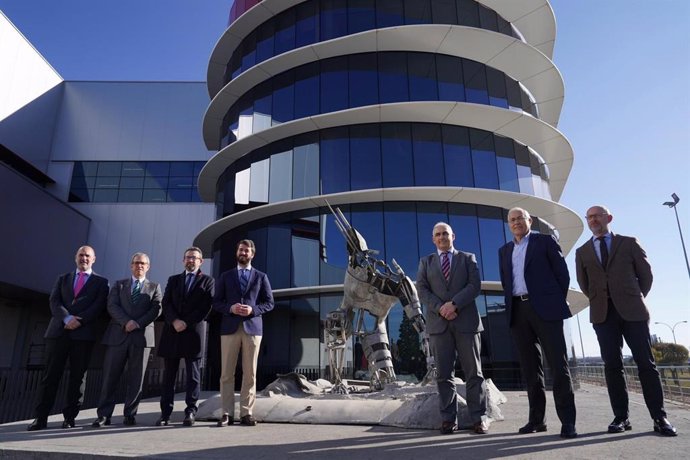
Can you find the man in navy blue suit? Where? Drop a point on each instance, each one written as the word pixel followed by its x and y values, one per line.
pixel 242 295
pixel 535 283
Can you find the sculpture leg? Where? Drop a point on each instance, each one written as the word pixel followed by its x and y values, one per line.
pixel 377 350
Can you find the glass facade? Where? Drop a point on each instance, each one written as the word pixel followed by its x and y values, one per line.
pixel 135 181
pixel 316 21
pixel 359 80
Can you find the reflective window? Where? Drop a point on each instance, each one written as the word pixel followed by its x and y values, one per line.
pixel 135 181
pixel 396 153
pixel 335 161
pixel 365 157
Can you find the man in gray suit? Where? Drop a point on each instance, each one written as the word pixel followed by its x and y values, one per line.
pixel 613 271
pixel 447 283
pixel 133 303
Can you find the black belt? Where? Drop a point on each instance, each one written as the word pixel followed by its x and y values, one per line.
pixel 521 298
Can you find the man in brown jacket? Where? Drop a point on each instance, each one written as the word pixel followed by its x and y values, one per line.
pixel 614 273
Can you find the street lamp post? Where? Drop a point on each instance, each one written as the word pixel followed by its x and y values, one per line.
pixel 672 204
pixel 673 329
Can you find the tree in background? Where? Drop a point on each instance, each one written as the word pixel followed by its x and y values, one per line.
pixel 411 357
pixel 670 354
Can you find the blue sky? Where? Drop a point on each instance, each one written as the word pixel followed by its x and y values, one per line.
pixel 626 66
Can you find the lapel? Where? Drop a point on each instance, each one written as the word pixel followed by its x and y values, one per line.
pixel 592 252
pixel 615 244
pixel 182 288
pixel 454 264
pixel 531 247
pixel 70 287
pixel 127 287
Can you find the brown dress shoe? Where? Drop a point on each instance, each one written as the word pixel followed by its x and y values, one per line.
pixel 480 427
pixel 225 420
pixel 247 420
pixel 448 427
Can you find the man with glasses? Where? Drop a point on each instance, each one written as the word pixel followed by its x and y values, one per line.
pixel 614 273
pixel 186 302
pixel 535 283
pixel 133 303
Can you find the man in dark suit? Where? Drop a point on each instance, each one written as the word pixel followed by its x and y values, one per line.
pixel 243 294
pixel 133 303
pixel 535 283
pixel 76 302
pixel 614 273
pixel 186 302
pixel 447 283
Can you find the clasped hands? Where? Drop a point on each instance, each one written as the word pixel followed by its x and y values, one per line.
pixel 241 309
pixel 73 323
pixel 448 311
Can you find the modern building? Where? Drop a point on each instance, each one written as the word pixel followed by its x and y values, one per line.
pixel 402 113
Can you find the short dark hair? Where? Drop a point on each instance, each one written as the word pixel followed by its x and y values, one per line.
pixel 195 249
pixel 248 243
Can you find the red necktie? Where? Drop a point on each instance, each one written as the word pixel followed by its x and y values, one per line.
pixel 81 279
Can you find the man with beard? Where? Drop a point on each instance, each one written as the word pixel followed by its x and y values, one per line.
pixel 186 302
pixel 243 294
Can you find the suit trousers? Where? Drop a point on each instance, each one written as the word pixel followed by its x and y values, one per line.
pixel 192 385
pixel 468 349
pixel 135 356
pixel 230 347
pixel 533 335
pixel 610 335
pixel 59 351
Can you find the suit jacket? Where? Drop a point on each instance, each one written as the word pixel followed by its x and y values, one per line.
pixel 546 276
pixel 192 308
pixel 89 305
pixel 144 312
pixel 462 288
pixel 626 280
pixel 258 295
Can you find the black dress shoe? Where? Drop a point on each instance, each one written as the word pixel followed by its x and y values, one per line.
pixel 189 419
pixel 619 425
pixel 664 428
pixel 480 427
pixel 101 421
pixel 532 428
pixel 129 420
pixel 225 420
pixel 163 421
pixel 448 427
pixel 38 424
pixel 68 423
pixel 568 431
pixel 247 420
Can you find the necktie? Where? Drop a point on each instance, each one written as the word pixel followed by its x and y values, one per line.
pixel 244 280
pixel 81 279
pixel 604 251
pixel 136 291
pixel 190 281
pixel 445 265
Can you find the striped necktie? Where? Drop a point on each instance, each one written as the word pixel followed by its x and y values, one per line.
pixel 136 291
pixel 244 280
pixel 445 265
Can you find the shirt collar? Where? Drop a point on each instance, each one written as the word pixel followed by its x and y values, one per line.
pixel 524 239
pixel 190 273
pixel 607 236
pixel 88 272
pixel 451 251
pixel 248 267
pixel 141 281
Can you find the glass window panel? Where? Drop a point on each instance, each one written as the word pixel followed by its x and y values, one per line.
pixel 107 182
pixel 264 41
pixel 198 166
pixel 277 250
pixel 258 181
pixel 105 196
pixel 526 102
pixel 156 182
pixel 242 186
pixel 491 229
pixel 513 94
pixel 393 85
pixel 85 168
pixel 179 195
pixel 457 156
pixel 389 13
pixel 83 182
pixel 246 111
pixel 158 168
pixel 333 19
pixel 77 195
pixel 249 51
pixel 283 97
pixel 181 182
pixel 444 12
pixel 363 83
pixel 305 180
pixel 335 161
pixel 483 159
pixel 305 262
pixel 368 220
pixel 487 18
pixel 468 13
pixel 428 154
pixel 361 15
pixel 422 72
pixel 475 82
pixel 400 224
pixel 235 65
pixel 109 168
pixel 428 215
pixel 334 76
pixel 504 26
pixel 181 168
pixel 307 87
pixel 196 198
pixel 305 27
pixel 280 186
pixel 365 157
pixel 417 11
pixel 497 88
pixel 463 220
pixel 154 196
pixel 132 182
pixel 285 32
pixel 507 168
pixel 262 107
pixel 130 196
pixel 132 168
pixel 450 80
pixel 396 155
pixel 335 253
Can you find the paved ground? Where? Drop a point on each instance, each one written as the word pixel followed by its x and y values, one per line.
pixel 276 441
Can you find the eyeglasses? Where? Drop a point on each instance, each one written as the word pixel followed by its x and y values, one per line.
pixel 595 216
pixel 192 258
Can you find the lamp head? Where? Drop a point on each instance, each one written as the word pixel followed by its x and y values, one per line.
pixel 672 204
